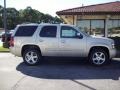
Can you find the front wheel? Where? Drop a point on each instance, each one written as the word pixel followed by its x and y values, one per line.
pixel 98 57
pixel 31 57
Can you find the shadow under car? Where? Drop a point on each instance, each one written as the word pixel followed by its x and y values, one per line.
pixel 71 69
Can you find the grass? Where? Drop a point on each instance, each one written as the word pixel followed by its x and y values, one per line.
pixel 3 49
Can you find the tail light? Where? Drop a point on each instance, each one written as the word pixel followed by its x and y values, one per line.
pixel 12 42
pixel 3 38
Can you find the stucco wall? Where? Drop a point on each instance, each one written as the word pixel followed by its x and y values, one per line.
pixel 69 19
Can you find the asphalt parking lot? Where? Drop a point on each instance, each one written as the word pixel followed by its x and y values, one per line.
pixel 61 74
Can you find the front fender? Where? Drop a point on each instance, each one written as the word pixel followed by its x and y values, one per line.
pixel 96 44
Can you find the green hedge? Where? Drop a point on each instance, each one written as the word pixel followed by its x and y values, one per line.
pixel 3 49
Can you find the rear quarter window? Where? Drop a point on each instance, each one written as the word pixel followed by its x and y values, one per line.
pixel 25 30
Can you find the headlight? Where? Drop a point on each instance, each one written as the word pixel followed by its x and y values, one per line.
pixel 113 45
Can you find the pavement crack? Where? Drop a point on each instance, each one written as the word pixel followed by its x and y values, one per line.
pixel 91 88
pixel 18 82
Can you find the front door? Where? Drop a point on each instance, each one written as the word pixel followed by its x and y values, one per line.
pixel 70 44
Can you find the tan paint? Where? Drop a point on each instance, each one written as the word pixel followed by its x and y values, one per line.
pixel 69 19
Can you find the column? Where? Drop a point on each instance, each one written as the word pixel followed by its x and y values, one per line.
pixel 73 19
pixel 106 27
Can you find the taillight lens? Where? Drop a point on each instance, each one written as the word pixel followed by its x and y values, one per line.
pixel 12 42
pixel 3 38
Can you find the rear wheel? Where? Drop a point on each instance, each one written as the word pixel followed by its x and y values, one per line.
pixel 32 57
pixel 99 57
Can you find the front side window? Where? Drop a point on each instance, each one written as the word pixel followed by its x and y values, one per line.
pixel 68 32
pixel 48 31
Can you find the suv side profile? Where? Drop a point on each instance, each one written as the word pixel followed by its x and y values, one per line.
pixel 32 41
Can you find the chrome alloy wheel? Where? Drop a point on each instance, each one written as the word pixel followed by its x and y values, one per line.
pixel 98 58
pixel 31 57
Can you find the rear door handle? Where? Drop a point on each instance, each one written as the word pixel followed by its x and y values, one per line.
pixel 41 40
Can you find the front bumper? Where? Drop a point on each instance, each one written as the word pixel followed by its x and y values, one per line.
pixel 113 53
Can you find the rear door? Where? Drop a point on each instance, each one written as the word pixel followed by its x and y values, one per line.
pixel 48 41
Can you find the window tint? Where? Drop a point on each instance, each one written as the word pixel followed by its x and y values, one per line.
pixel 68 32
pixel 48 31
pixel 26 30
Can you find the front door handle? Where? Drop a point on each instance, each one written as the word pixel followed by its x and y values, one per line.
pixel 62 41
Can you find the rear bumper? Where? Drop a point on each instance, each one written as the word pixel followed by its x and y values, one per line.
pixel 15 51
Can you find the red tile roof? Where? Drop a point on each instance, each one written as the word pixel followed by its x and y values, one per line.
pixel 105 8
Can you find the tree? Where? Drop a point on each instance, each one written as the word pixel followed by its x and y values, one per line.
pixel 12 18
pixel 1 15
pixel 46 18
pixel 57 20
pixel 34 16
pixel 31 15
pixel 49 19
pixel 28 14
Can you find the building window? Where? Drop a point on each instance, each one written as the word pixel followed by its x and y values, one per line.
pixel 97 27
pixel 92 27
pixel 84 25
pixel 114 28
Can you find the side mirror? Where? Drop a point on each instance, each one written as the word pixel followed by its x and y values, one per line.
pixel 80 36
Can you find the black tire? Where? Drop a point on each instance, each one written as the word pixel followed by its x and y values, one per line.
pixel 100 60
pixel 30 62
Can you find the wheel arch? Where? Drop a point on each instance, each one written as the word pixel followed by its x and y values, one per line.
pixel 24 47
pixel 106 49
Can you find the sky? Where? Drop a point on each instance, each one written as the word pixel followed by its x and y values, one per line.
pixel 51 6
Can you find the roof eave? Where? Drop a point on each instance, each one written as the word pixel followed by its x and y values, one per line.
pixel 88 13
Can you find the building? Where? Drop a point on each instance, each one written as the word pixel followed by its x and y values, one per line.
pixel 100 19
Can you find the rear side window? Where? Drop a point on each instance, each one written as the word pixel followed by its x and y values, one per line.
pixel 48 31
pixel 26 30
